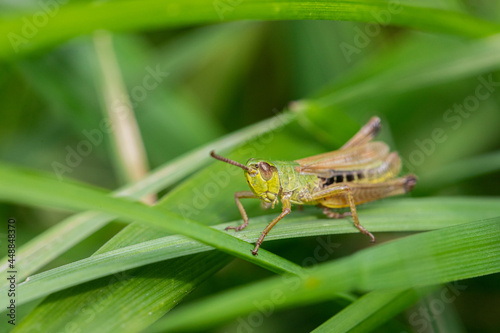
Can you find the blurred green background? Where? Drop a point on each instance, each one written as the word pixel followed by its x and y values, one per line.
pixel 190 85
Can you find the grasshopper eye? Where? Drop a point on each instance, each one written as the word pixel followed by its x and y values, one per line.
pixel 265 170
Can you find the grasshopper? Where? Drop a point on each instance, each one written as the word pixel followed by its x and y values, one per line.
pixel 362 170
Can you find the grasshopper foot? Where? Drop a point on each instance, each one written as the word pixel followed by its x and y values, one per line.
pixel 366 232
pixel 334 215
pixel 238 228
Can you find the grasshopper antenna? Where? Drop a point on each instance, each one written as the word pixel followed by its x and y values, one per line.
pixel 227 160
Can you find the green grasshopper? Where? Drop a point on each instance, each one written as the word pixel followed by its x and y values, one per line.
pixel 362 170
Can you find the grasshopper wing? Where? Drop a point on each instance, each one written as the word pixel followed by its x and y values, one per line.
pixel 369 155
pixel 365 134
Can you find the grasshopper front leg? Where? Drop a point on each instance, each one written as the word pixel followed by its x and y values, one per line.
pixel 287 208
pixel 237 197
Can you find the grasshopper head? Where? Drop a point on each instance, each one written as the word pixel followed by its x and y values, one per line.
pixel 262 177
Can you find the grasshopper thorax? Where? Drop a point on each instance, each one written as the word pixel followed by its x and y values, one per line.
pixel 263 179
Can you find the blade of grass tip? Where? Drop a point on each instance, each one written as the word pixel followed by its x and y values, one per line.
pixel 426 215
pixel 449 254
pixel 55 241
pixel 130 154
pixel 128 15
pixel 371 310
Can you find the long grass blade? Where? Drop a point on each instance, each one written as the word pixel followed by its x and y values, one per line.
pixel 49 245
pixel 34 189
pixel 72 20
pixel 435 257
pixel 427 214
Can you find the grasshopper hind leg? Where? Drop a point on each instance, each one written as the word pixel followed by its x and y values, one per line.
pixel 345 191
pixel 336 215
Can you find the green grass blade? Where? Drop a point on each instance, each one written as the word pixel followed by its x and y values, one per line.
pixel 440 256
pixel 448 77
pixel 34 189
pixel 72 19
pixel 41 250
pixel 427 214
pixel 448 319
pixel 218 209
pixel 154 289
pixel 49 245
pixel 371 310
pixel 411 82
pixel 186 164
pixel 125 299
pixel 44 248
pixel 442 66
pixel 128 151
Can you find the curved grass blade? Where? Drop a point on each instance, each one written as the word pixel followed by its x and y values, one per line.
pixel 427 214
pixel 454 253
pixel 44 248
pixel 183 194
pixel 34 189
pixel 72 19
pixel 126 295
